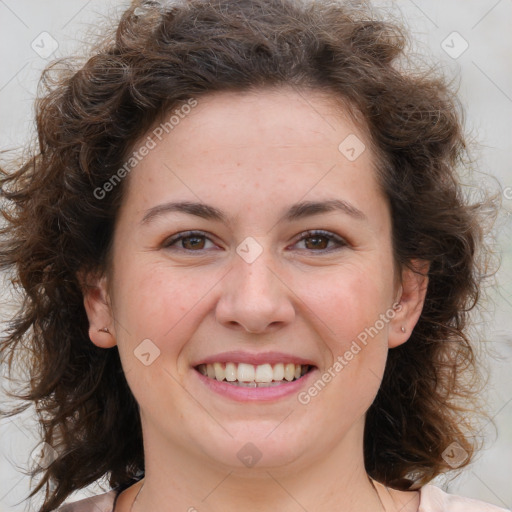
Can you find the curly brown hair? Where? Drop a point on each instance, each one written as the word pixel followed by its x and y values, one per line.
pixel 88 120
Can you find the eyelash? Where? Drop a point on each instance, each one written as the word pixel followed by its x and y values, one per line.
pixel 331 237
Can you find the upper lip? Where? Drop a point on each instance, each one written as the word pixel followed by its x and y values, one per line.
pixel 238 356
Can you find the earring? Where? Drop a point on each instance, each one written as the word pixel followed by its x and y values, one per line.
pixel 104 329
pixel 402 328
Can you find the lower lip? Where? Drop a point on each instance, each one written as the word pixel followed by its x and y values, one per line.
pixel 244 394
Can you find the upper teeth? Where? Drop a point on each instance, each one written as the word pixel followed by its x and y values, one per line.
pixel 243 372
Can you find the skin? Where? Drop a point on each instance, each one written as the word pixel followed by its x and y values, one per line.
pixel 253 155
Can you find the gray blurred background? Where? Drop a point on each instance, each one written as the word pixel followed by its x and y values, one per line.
pixel 470 38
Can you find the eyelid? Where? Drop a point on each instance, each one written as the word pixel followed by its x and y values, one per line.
pixel 342 242
pixel 187 234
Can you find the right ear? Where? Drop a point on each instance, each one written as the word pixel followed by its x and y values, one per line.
pixel 98 309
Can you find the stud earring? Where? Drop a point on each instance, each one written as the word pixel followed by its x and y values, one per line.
pixel 402 328
pixel 104 329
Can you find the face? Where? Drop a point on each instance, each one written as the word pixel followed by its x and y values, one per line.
pixel 251 246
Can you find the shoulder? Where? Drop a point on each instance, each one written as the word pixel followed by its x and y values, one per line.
pixel 433 499
pixel 101 503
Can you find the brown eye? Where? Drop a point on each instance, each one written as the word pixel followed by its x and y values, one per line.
pixel 188 241
pixel 318 241
pixel 192 242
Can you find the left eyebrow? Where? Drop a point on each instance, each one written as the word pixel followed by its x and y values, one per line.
pixel 309 208
pixel 295 212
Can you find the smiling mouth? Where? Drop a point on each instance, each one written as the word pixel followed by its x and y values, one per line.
pixel 254 376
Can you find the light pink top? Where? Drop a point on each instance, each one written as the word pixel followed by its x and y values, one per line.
pixel 432 499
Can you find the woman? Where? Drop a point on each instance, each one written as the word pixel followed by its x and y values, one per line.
pixel 248 267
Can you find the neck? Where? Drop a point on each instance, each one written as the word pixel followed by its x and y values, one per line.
pixel 332 481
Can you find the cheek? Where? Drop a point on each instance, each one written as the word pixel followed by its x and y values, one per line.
pixel 156 296
pixel 156 304
pixel 157 312
pixel 348 302
pixel 164 304
pixel 355 346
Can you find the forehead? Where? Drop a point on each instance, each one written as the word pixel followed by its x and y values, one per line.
pixel 286 141
pixel 270 117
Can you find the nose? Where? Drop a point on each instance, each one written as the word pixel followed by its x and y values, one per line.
pixel 254 297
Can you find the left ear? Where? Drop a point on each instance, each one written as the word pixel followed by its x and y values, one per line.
pixel 414 283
